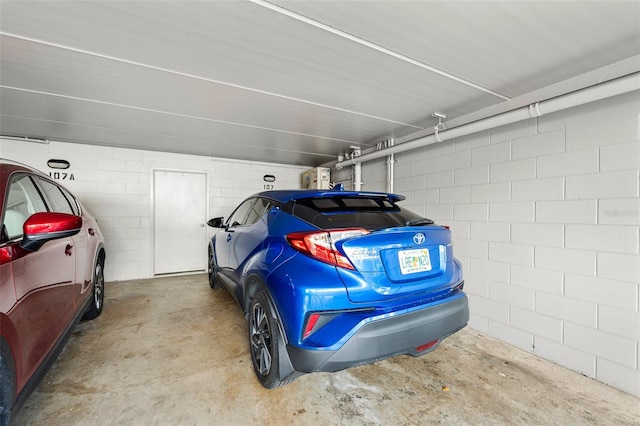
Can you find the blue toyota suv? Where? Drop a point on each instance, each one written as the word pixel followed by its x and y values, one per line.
pixel 330 279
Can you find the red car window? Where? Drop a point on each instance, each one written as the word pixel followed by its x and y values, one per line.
pixel 23 201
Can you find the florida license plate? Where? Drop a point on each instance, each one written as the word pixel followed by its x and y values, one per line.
pixel 412 261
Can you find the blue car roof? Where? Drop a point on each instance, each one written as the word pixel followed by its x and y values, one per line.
pixel 285 196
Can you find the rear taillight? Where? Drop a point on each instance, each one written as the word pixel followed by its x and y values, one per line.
pixel 321 244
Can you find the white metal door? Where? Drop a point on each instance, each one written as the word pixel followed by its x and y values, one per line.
pixel 180 211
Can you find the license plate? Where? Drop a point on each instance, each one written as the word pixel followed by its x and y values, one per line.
pixel 412 261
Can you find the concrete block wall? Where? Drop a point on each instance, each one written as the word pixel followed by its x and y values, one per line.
pixel 343 176
pixel 115 185
pixel 545 215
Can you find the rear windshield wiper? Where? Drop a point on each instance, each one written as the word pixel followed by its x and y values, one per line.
pixel 421 221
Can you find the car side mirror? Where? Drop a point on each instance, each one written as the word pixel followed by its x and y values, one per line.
pixel 42 227
pixel 216 222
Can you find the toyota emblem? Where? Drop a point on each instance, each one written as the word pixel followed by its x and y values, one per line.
pixel 419 238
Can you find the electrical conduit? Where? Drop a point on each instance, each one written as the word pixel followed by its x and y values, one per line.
pixel 598 92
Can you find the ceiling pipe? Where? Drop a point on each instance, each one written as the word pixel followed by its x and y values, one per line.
pixel 594 93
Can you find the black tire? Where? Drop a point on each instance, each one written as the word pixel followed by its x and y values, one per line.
pixel 214 281
pixel 264 341
pixel 97 294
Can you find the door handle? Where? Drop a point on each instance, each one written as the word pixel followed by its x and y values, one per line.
pixel 229 237
pixel 68 249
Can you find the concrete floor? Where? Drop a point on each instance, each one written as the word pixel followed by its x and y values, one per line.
pixel 171 351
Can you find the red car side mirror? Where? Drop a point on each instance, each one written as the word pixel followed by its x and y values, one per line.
pixel 42 227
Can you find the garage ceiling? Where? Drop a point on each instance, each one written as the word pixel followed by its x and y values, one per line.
pixel 293 82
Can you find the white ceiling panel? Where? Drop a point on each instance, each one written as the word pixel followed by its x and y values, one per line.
pixel 99 80
pixel 69 112
pixel 512 47
pixel 310 78
pixel 76 133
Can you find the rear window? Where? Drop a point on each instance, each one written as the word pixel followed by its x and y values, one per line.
pixel 349 212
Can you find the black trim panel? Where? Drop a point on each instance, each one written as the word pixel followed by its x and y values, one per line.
pixel 386 338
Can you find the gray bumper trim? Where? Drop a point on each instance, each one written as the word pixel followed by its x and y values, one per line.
pixel 387 337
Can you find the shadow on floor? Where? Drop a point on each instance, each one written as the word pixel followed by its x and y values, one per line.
pixel 171 351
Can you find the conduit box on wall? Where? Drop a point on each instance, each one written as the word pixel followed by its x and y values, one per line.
pixel 316 178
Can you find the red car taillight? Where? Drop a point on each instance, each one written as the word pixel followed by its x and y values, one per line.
pixel 321 244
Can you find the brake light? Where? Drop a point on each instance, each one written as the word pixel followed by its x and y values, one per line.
pixel 321 244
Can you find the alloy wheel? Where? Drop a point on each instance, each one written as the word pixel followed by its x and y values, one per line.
pixel 260 339
pixel 98 292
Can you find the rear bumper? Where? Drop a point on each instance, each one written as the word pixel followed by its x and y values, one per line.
pixel 387 337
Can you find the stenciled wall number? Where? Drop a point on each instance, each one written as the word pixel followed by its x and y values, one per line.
pixel 269 179
pixel 60 165
pixel 61 176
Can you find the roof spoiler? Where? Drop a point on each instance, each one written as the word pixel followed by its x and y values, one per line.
pixel 393 197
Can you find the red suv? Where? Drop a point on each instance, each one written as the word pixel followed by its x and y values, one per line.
pixel 51 276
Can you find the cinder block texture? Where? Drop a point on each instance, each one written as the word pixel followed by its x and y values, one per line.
pixel 568 163
pixel 512 212
pixel 497 153
pixel 546 220
pixel 115 185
